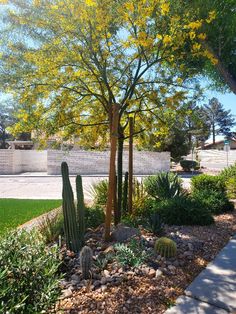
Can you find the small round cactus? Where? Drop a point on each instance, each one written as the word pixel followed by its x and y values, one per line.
pixel 86 257
pixel 165 247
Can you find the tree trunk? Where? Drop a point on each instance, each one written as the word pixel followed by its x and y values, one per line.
pixel 214 133
pixel 115 206
pixel 112 170
pixel 120 174
pixel 130 189
pixel 3 139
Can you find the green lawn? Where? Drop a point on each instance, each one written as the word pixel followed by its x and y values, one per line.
pixel 14 212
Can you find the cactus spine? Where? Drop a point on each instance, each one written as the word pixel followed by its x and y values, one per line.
pixel 80 208
pixel 166 247
pixel 86 256
pixel 125 193
pixel 69 212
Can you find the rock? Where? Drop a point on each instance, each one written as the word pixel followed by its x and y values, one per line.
pixel 152 273
pixel 158 273
pixel 96 283
pixel 103 288
pixel 110 249
pixel 130 290
pixel 67 293
pixel 75 278
pixel 176 263
pixel 190 247
pixel 103 280
pixel 172 268
pixel 106 273
pixel 123 233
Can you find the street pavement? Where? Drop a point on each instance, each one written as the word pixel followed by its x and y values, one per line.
pixel 42 186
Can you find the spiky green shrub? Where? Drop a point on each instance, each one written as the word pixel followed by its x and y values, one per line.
pixel 183 211
pixel 99 192
pixel 189 165
pixel 166 247
pixel 154 223
pixel 29 276
pixel 164 185
pixel 52 226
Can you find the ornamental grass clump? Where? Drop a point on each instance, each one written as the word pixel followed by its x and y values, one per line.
pixel 29 273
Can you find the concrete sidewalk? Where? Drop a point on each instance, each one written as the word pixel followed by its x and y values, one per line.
pixel 214 290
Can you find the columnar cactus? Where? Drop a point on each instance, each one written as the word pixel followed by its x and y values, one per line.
pixel 165 247
pixel 86 256
pixel 70 223
pixel 125 193
pixel 80 208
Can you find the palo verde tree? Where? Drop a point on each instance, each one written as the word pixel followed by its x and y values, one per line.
pixel 74 63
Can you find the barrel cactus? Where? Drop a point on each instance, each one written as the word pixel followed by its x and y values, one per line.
pixel 86 257
pixel 70 222
pixel 165 247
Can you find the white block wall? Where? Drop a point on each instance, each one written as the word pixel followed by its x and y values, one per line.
pixel 18 161
pixel 92 162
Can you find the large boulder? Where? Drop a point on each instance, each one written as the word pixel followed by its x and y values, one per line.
pixel 123 233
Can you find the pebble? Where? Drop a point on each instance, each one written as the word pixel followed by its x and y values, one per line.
pixel 106 273
pixel 158 273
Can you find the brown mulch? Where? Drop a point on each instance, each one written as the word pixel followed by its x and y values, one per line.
pixel 154 295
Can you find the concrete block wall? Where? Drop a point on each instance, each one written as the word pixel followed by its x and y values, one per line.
pixel 18 161
pixel 91 162
pixel 6 161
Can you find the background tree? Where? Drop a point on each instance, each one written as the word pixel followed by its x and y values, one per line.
pixel 6 120
pixel 176 131
pixel 220 120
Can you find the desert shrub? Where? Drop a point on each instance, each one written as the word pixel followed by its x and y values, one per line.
pixel 229 177
pixel 229 172
pixel 131 254
pixel 99 193
pixel 189 165
pixel 29 280
pixel 231 187
pixel 164 185
pixel 52 226
pixel 208 183
pixel 132 220
pixel 183 211
pixel 214 201
pixel 94 216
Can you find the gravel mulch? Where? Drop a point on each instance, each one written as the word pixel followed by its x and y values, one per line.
pixel 151 287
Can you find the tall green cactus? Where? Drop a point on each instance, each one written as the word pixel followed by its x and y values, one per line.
pixel 125 193
pixel 80 208
pixel 69 212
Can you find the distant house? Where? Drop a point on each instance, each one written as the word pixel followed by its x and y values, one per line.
pixel 220 145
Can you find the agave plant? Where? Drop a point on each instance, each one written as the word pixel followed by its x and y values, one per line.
pixel 163 186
